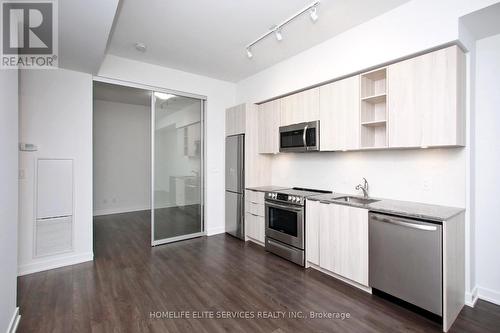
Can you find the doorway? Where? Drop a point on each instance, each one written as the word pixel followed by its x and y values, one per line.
pixel 149 159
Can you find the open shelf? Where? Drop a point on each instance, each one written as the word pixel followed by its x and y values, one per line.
pixel 373 109
pixel 373 83
pixel 373 136
pixel 374 99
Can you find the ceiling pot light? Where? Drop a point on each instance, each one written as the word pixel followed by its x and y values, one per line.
pixel 249 53
pixel 163 96
pixel 313 14
pixel 141 47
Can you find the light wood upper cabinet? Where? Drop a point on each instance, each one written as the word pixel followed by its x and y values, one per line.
pixel 268 127
pixel 300 107
pixel 339 115
pixel 235 120
pixel 426 100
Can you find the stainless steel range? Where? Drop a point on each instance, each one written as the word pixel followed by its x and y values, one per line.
pixel 285 222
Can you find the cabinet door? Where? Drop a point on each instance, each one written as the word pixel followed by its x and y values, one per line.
pixel 268 123
pixel 300 107
pixel 425 100
pixel 353 240
pixel 261 228
pixel 329 236
pixel 339 115
pixel 235 120
pixel 312 231
pixel 343 233
pixel 249 225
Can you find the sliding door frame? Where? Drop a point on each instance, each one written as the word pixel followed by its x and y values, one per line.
pixel 203 103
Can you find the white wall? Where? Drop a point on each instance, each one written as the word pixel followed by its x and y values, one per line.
pixel 436 176
pixel 56 115
pixel 122 151
pixel 220 95
pixel 487 165
pixel 8 195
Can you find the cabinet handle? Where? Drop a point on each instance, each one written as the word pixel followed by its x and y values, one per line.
pixel 406 224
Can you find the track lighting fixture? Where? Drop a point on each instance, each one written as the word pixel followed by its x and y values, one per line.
pixel 276 30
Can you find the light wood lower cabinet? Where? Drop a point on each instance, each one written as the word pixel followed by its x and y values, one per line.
pixel 254 217
pixel 337 239
pixel 312 231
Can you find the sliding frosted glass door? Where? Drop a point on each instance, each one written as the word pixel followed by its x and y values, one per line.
pixel 177 149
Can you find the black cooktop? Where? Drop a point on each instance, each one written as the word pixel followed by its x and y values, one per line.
pixel 302 192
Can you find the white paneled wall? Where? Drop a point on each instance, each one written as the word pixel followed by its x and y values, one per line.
pixel 56 115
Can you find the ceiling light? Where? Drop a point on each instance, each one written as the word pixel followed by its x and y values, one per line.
pixel 141 47
pixel 278 35
pixel 249 53
pixel 313 14
pixel 163 96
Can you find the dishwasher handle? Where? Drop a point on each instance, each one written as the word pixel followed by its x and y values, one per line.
pixel 404 223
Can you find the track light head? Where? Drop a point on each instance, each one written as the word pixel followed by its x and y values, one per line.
pixel 279 36
pixel 249 53
pixel 313 14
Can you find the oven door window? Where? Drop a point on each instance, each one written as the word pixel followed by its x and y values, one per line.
pixel 292 139
pixel 282 220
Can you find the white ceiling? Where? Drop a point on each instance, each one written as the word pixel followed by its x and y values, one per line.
pixel 209 37
pixel 84 29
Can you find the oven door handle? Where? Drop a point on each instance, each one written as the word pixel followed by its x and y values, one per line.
pixel 304 136
pixel 272 204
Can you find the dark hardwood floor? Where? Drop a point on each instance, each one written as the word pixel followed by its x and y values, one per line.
pixel 129 280
pixel 177 221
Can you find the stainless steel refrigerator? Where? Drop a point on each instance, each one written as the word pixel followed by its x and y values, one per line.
pixel 235 185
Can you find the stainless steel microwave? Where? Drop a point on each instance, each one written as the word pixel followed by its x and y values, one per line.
pixel 300 137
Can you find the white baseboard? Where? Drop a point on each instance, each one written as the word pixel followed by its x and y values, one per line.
pixel 216 231
pixel 14 322
pixel 44 265
pixel 492 296
pixel 471 298
pixel 114 210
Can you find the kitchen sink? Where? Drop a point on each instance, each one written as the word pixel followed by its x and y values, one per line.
pixel 355 200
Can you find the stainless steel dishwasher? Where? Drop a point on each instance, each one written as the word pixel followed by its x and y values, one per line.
pixel 406 260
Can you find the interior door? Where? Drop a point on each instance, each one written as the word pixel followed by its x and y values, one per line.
pixel 177 151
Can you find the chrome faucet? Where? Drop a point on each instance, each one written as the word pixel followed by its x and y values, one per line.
pixel 363 187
